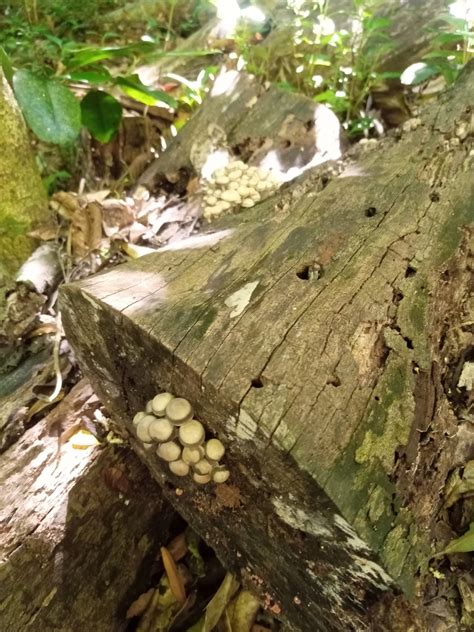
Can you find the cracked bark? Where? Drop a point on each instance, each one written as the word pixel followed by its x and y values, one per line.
pixel 334 508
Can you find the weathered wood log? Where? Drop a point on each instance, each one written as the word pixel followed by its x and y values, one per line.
pixel 315 335
pixel 78 533
pixel 272 127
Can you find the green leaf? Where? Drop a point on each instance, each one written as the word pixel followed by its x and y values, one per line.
pixel 95 77
pixel 101 115
pixel 418 73
pixel 91 55
pixel 134 88
pixel 464 544
pixel 6 65
pixel 50 109
pixel 215 608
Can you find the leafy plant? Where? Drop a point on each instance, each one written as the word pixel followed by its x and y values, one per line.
pixel 452 47
pixel 334 65
pixel 50 109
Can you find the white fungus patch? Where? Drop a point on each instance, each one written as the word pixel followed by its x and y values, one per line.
pixel 353 540
pixel 239 300
pixel 307 521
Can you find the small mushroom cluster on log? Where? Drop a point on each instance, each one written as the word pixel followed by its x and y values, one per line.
pixel 236 185
pixel 168 421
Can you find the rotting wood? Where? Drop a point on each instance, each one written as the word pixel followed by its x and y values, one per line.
pixel 318 385
pixel 78 534
pixel 268 127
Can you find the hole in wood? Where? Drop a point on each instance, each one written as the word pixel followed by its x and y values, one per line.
pixel 257 383
pixel 371 211
pixel 410 272
pixel 334 381
pixel 311 272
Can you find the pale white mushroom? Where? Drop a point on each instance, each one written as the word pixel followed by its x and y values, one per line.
pixel 179 410
pixel 235 174
pixel 179 467
pixel 161 429
pixel 230 196
pixel 219 173
pixel 222 180
pixel 234 186
pixel 192 454
pixel 261 186
pixel 237 164
pixel 138 417
pixel 220 475
pixel 214 449
pixel 169 451
pixel 248 203
pixel 191 433
pixel 143 426
pixel 149 406
pixel 202 479
pixel 210 200
pixel 203 467
pixel 243 191
pixel 160 402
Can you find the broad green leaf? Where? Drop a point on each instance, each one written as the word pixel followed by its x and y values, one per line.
pixel 464 544
pixel 133 87
pixel 216 607
pixel 50 109
pixel 101 115
pixel 6 65
pixel 95 77
pixel 418 73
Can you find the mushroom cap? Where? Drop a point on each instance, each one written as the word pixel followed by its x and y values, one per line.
pixel 191 433
pixel 248 203
pixel 193 454
pixel 160 429
pixel 169 451
pixel 214 450
pixel 179 410
pixel 149 406
pixel 203 467
pixel 202 479
pixel 138 417
pixel 220 475
pixel 160 402
pixel 230 195
pixel 143 426
pixel 179 467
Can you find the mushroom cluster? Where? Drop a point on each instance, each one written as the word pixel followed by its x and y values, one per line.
pixel 168 421
pixel 236 185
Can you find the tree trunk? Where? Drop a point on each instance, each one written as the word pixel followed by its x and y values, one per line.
pixel 318 335
pixel 23 196
pixel 78 533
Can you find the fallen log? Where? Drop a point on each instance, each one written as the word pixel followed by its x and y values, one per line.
pixel 316 336
pixel 78 531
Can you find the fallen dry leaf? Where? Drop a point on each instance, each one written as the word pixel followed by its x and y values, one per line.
pixel 116 480
pixel 138 607
pixel 174 578
pixel 178 547
pixel 86 230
